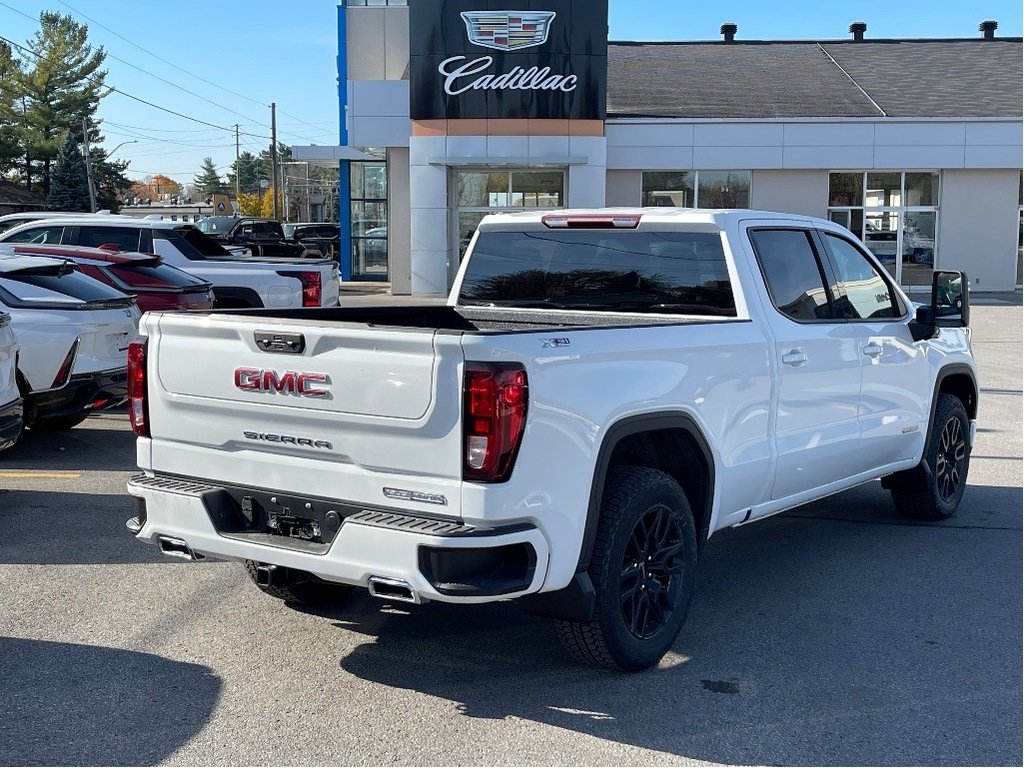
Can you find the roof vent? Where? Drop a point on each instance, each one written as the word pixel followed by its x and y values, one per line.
pixel 729 31
pixel 988 28
pixel 858 28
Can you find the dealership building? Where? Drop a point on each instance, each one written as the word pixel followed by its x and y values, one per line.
pixel 453 109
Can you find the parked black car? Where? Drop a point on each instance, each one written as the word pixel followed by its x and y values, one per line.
pixel 324 236
pixel 263 237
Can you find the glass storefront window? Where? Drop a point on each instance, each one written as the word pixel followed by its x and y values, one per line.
pixel 723 189
pixel 480 192
pixel 883 190
pixel 669 189
pixel 369 217
pixel 922 189
pixel 846 189
pixel 895 214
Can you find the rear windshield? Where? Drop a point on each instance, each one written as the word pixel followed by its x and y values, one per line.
pixel 624 271
pixel 216 224
pixel 191 243
pixel 58 285
pixel 153 275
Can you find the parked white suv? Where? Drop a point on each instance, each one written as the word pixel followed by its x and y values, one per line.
pixel 277 283
pixel 72 333
pixel 10 398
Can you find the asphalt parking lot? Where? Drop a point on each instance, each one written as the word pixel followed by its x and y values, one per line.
pixel 836 634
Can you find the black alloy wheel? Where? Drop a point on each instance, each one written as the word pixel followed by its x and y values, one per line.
pixel 652 572
pixel 950 460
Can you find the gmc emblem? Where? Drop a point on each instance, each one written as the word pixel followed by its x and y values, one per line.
pixel 286 383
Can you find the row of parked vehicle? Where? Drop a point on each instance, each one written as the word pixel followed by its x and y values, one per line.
pixel 72 290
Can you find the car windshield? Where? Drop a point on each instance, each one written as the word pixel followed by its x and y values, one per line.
pixel 675 272
pixel 215 225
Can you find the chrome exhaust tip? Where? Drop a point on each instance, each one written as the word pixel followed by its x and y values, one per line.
pixel 393 589
pixel 173 547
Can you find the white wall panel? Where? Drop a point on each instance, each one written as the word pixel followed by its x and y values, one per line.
pixel 993 157
pixel 399 232
pixel 924 156
pixel 734 157
pixel 423 148
pixel 994 134
pixel 430 273
pixel 586 186
pixel 828 134
pixel 640 135
pixel 379 98
pixel 379 132
pixel 800 192
pixel 593 148
pixel 466 146
pixel 429 229
pixel 542 147
pixel 508 146
pixel 919 134
pixel 835 158
pixel 737 135
pixel 650 158
pixel 978 226
pixel 623 188
pixel 428 186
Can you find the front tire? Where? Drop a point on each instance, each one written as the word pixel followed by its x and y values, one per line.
pixel 299 586
pixel 932 490
pixel 643 569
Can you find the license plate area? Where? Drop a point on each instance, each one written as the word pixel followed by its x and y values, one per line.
pixel 302 522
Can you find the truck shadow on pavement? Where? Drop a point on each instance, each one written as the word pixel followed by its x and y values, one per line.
pixel 69 704
pixel 838 634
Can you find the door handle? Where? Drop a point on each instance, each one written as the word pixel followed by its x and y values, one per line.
pixel 794 357
pixel 873 350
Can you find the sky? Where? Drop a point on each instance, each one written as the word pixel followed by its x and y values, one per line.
pixel 224 62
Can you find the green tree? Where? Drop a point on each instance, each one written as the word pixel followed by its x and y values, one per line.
pixel 10 146
pixel 209 182
pixel 247 170
pixel 69 186
pixel 62 83
pixel 109 179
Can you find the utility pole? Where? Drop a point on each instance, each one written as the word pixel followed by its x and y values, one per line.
pixel 273 156
pixel 88 165
pixel 237 169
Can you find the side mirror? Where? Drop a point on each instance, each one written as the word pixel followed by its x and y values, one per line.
pixel 950 306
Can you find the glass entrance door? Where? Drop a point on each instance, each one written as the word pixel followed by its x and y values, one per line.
pixel 477 193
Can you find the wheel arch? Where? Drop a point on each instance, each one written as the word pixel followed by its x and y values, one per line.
pixel 666 441
pixel 956 379
pixel 236 297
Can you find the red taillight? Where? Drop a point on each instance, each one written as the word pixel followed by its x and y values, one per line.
pixel 311 289
pixel 591 221
pixel 494 417
pixel 138 408
pixel 64 373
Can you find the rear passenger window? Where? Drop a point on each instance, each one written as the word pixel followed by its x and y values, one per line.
pixel 50 235
pixel 791 270
pixel 125 238
pixel 867 295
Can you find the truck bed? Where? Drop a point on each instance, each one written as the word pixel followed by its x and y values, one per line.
pixel 435 317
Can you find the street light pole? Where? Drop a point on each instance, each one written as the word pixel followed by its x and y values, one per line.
pixel 129 141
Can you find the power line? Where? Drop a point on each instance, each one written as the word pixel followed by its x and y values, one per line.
pixel 118 90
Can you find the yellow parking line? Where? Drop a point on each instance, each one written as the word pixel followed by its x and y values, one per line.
pixel 39 474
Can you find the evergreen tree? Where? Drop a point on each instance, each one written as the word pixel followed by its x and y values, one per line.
pixel 57 87
pixel 247 170
pixel 208 182
pixel 108 176
pixel 10 147
pixel 69 186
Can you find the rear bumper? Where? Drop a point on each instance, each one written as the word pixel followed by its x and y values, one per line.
pixel 10 423
pixel 83 394
pixel 440 560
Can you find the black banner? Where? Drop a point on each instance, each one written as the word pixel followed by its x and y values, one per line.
pixel 508 59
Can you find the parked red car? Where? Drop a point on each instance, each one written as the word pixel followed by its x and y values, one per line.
pixel 157 286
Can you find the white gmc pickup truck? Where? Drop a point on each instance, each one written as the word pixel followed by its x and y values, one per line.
pixel 604 390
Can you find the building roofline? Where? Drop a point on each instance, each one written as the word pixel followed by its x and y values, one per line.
pixel 805 41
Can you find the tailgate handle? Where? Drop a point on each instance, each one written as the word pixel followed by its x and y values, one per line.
pixel 282 343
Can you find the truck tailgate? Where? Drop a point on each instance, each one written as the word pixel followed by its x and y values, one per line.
pixel 336 411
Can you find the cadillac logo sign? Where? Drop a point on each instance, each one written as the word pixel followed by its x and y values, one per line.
pixel 508 30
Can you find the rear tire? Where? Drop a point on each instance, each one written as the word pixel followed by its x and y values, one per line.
pixel 643 569
pixel 300 586
pixel 932 490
